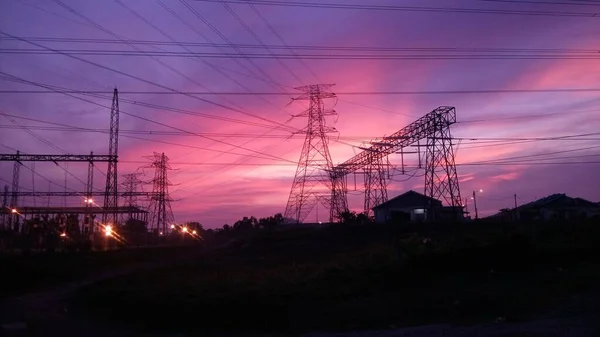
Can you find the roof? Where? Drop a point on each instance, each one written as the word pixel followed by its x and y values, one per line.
pixel 410 193
pixel 546 201
pixel 556 198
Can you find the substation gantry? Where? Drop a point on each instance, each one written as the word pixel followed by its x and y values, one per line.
pixel 441 180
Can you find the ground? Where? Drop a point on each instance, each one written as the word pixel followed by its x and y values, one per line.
pixel 342 282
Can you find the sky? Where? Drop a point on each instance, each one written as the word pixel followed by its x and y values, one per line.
pixel 234 155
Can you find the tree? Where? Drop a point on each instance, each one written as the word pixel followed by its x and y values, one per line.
pixel 195 226
pixel 271 222
pixel 246 224
pixel 352 218
pixel 135 226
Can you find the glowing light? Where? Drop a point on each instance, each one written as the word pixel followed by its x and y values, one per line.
pixel 14 210
pixel 172 226
pixel 194 232
pixel 89 201
pixel 161 233
pixel 63 234
pixel 108 230
pixel 480 191
pixel 184 229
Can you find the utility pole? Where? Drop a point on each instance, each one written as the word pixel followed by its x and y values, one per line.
pixel 516 212
pixel 475 205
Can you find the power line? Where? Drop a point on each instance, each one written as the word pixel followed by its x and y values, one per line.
pixel 387 8
pixel 61 90
pixel 147 54
pixel 224 38
pixel 350 93
pixel 477 140
pixel 541 2
pixel 314 56
pixel 163 124
pixel 285 46
pixel 259 40
pixel 205 37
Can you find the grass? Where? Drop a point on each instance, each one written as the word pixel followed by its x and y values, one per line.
pixel 342 279
pixel 22 274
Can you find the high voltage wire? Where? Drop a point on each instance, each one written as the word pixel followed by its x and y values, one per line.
pixel 542 2
pixel 163 124
pixel 100 27
pixel 309 47
pixel 387 8
pixel 389 57
pixel 138 103
pixel 61 90
pixel 350 93
pixel 69 128
pixel 145 139
pixel 224 38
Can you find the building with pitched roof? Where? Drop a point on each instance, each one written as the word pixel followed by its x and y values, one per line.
pixel 413 207
pixel 553 207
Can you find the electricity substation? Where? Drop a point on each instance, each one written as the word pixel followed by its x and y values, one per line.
pixel 102 213
pixel 319 181
pixel 106 212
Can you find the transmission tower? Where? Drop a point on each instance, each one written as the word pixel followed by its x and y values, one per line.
pixel 312 182
pixel 441 179
pixel 160 201
pixel 131 182
pixel 375 184
pixel 111 197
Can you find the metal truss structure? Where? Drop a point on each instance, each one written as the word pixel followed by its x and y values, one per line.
pixel 375 184
pixel 160 201
pixel 441 181
pixel 78 194
pixel 110 195
pixel 55 158
pixel 312 184
pixel 111 198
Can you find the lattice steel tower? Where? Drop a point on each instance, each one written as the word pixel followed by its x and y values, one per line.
pixel 375 184
pixel 441 179
pixel 131 183
pixel 312 182
pixel 160 202
pixel 111 196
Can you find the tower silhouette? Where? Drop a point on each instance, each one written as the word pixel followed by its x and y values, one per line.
pixel 312 182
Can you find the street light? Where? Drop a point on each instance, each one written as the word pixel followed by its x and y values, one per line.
pixel 474 198
pixel 14 211
pixel 108 230
pixel 184 229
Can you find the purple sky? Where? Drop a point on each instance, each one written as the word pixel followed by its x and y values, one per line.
pixel 237 185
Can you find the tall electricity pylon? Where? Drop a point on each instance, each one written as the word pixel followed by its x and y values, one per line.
pixel 130 184
pixel 312 182
pixel 111 197
pixel 160 202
